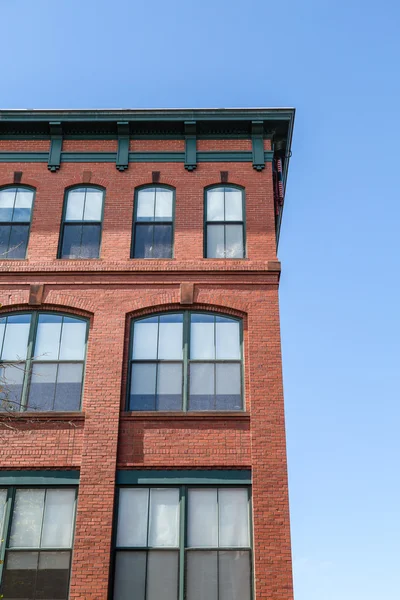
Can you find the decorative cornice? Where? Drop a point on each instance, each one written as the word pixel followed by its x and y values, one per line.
pixel 123 146
pixel 190 146
pixel 55 146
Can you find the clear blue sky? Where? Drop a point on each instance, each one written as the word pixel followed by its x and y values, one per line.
pixel 338 63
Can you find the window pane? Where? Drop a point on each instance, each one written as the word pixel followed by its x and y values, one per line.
pixel 203 518
pixel 19 576
pixel 42 387
pixel 18 241
pixel 53 576
pixel 69 387
pixel 93 205
pixel 202 343
pixel 164 200
pixel 58 519
pixel 73 337
pixel 215 205
pixel 234 241
pixel 169 387
pixel 215 241
pixel 233 205
pixel 7 198
pixel 227 339
pixel 201 384
pixel 23 206
pixel 162 247
pixel 145 207
pixel 11 380
pixel 162 575
pixel 90 241
pixel 72 238
pixel 75 204
pixel 228 387
pixel 3 500
pixel 48 337
pixel 234 575
pixel 143 387
pixel 233 517
pixel 5 231
pixel 132 517
pixel 170 337
pixel 143 241
pixel 130 576
pixel 16 338
pixel 27 519
pixel 145 334
pixel 201 576
pixel 164 517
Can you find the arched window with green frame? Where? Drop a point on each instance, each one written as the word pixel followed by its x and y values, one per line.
pixel 16 203
pixel 153 222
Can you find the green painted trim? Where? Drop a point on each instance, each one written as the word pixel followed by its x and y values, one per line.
pixel 19 478
pixel 144 157
pixel 190 146
pixel 55 146
pixel 184 477
pixel 78 157
pixel 257 139
pixel 122 162
pixel 22 157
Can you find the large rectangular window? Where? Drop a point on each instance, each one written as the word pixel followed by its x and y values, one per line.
pixel 153 223
pixel 224 217
pixel 81 228
pixel 15 219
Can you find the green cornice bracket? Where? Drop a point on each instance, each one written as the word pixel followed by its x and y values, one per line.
pixel 257 138
pixel 123 146
pixel 190 146
pixel 56 140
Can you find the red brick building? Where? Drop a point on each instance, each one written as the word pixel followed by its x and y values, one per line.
pixel 142 423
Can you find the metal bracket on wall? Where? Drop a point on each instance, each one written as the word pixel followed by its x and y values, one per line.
pixel 257 139
pixel 190 146
pixel 123 146
pixel 56 141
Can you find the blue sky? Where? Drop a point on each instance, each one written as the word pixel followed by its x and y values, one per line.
pixel 338 64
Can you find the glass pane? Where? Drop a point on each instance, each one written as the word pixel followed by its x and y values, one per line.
pixel 228 387
pixel 145 334
pixel 169 387
pixel 162 247
pixel 202 575
pixel 215 241
pixel 234 241
pixel 27 518
pixel 53 576
pixel 233 205
pixel 73 338
pixel 203 518
pixel 3 500
pixel 164 517
pixel 93 205
pixel 48 337
pixel 171 337
pixel 132 517
pixel 227 339
pixel 215 205
pixel 42 387
pixel 69 387
pixel 233 517
pixel 11 380
pixel 201 386
pixel 18 242
pixel 90 247
pixel 7 198
pixel 72 238
pixel 19 576
pixel 58 519
pixel 143 387
pixel 234 575
pixel 145 206
pixel 16 338
pixel 143 241
pixel 75 204
pixel 202 343
pixel 162 575
pixel 130 576
pixel 5 231
pixel 23 206
pixel 164 199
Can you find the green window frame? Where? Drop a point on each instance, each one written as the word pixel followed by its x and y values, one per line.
pixel 37 525
pixel 224 222
pixel 167 553
pixel 153 235
pixel 42 361
pixel 82 223
pixel 186 361
pixel 16 208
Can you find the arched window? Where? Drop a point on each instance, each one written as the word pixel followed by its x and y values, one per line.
pixel 153 222
pixel 15 219
pixel 186 361
pixel 42 358
pixel 82 221
pixel 224 221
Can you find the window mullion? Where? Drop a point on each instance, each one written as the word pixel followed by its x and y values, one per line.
pixel 182 541
pixel 6 528
pixel 186 340
pixel 147 544
pixel 29 360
